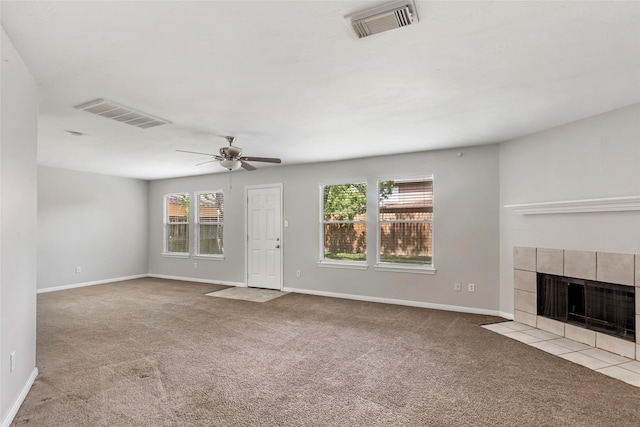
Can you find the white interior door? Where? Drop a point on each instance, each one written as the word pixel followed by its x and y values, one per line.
pixel 264 237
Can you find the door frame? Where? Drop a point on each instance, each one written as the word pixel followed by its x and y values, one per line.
pixel 246 229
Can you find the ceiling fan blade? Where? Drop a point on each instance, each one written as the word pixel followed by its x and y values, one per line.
pixel 247 166
pixel 261 159
pixel 208 161
pixel 195 152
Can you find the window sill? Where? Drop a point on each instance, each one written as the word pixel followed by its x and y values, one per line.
pixel 399 268
pixel 175 255
pixel 345 265
pixel 209 257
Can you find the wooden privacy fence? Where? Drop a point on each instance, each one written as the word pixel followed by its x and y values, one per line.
pixel 404 239
pixel 409 239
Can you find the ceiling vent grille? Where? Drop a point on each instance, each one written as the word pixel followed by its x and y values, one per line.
pixel 383 18
pixel 111 110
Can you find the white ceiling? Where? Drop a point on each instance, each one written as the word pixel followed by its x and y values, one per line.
pixel 289 79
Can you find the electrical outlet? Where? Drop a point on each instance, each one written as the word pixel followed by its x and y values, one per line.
pixel 457 286
pixel 12 361
pixel 297 273
pixel 195 265
pixel 472 287
pixel 78 269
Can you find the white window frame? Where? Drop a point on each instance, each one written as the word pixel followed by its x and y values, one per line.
pixel 401 267
pixel 197 224
pixel 165 216
pixel 333 263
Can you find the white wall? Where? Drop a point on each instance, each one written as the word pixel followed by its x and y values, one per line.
pixel 18 229
pixel 466 227
pixel 95 222
pixel 593 158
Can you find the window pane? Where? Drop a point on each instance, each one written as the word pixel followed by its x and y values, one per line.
pixel 178 238
pixel 346 242
pixel 404 205
pixel 406 199
pixel 178 208
pixel 211 207
pixel 177 222
pixel 210 217
pixel 211 239
pixel 407 243
pixel 345 202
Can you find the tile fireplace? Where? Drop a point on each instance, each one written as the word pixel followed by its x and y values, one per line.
pixel 590 297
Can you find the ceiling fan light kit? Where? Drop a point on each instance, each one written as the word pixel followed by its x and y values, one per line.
pixel 230 164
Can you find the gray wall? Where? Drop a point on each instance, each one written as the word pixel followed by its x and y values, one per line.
pixel 18 228
pixel 95 222
pixel 594 158
pixel 466 227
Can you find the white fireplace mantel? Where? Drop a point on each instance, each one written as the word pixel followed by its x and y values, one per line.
pixel 608 204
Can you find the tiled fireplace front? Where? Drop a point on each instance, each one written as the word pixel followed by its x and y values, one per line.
pixel 622 269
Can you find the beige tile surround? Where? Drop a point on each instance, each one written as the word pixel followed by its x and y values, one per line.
pixel 623 269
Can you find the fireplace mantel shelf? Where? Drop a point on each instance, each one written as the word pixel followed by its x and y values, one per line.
pixel 609 204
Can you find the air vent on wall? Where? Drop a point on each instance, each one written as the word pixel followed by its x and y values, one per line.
pixel 383 18
pixel 111 110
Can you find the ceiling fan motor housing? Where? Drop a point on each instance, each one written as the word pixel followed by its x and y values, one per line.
pixel 230 152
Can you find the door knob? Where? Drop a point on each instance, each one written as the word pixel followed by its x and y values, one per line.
pixel 277 246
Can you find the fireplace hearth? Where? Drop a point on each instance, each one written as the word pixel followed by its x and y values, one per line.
pixel 598 306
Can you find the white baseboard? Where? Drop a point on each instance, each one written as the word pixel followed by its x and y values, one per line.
pixel 456 308
pixel 82 285
pixel 193 279
pixel 23 394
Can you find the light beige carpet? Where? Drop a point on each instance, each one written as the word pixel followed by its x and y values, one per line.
pixel 153 352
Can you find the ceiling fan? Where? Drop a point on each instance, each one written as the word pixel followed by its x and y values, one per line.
pixel 231 157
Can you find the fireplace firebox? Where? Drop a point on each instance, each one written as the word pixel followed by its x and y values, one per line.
pixel 603 307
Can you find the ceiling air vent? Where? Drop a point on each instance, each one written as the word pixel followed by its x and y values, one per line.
pixel 384 18
pixel 111 110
